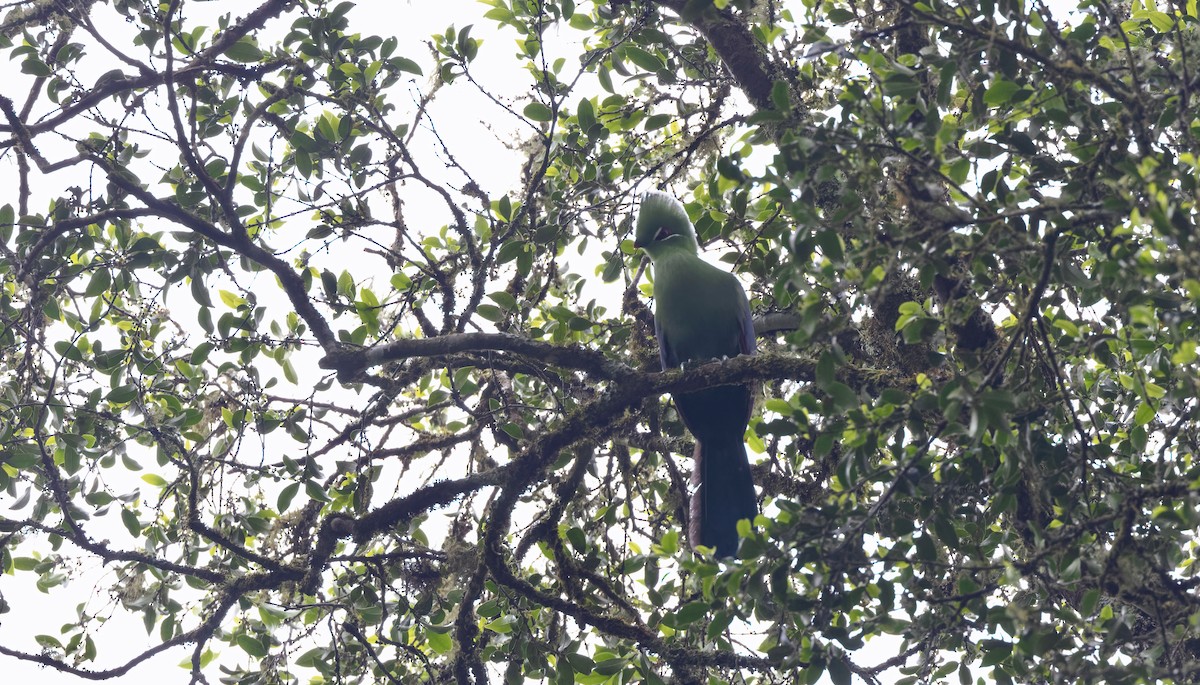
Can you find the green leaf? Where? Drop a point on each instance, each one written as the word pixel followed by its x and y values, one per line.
pixel 440 643
pixel 1162 22
pixel 994 651
pixel 577 538
pixel 901 85
pixel 329 282
pixel 200 293
pixel 586 115
pixel 130 520
pixel 657 121
pixel 612 267
pixel 315 491
pixel 286 496
pixel 1090 599
pixel 289 372
pixel 580 662
pixel 504 299
pixel 100 282
pixel 145 244
pixel 839 16
pixel 490 312
pixel 959 169
pixel 826 368
pixel 308 659
pixel 301 141
pixel 231 300
pixel 670 542
pixel 36 67
pixel 945 531
pixel 503 208
pixel 839 672
pixel 610 667
pixel 843 396
pixel 122 394
pixel 407 65
pixel 778 406
pixel 270 615
pixel 721 620
pixel 536 111
pixel 346 286
pixel 68 350
pixel 1145 414
pixel 21 456
pixel 693 611
pixel 252 646
pixel 1000 92
pixel 605 79
pixel 245 51
pixel 502 625
pixel 646 60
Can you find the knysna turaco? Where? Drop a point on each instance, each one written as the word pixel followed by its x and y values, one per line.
pixel 701 313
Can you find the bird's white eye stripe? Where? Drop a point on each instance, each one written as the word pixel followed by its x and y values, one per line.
pixel 662 233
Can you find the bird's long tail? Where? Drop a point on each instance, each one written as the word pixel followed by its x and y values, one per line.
pixel 722 493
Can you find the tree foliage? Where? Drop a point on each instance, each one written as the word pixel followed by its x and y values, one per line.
pixel 315 435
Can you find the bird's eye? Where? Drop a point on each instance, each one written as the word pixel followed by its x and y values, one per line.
pixel 662 234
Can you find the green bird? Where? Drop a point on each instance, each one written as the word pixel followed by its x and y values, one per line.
pixel 701 313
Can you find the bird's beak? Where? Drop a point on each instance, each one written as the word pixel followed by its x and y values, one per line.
pixel 637 245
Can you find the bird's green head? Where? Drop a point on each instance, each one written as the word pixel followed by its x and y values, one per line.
pixel 662 225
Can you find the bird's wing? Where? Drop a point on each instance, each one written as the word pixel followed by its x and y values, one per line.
pixel 666 355
pixel 746 340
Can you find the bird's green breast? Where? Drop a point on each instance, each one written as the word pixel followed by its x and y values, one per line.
pixel 698 307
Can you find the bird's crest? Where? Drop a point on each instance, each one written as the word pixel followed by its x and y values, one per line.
pixel 661 215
